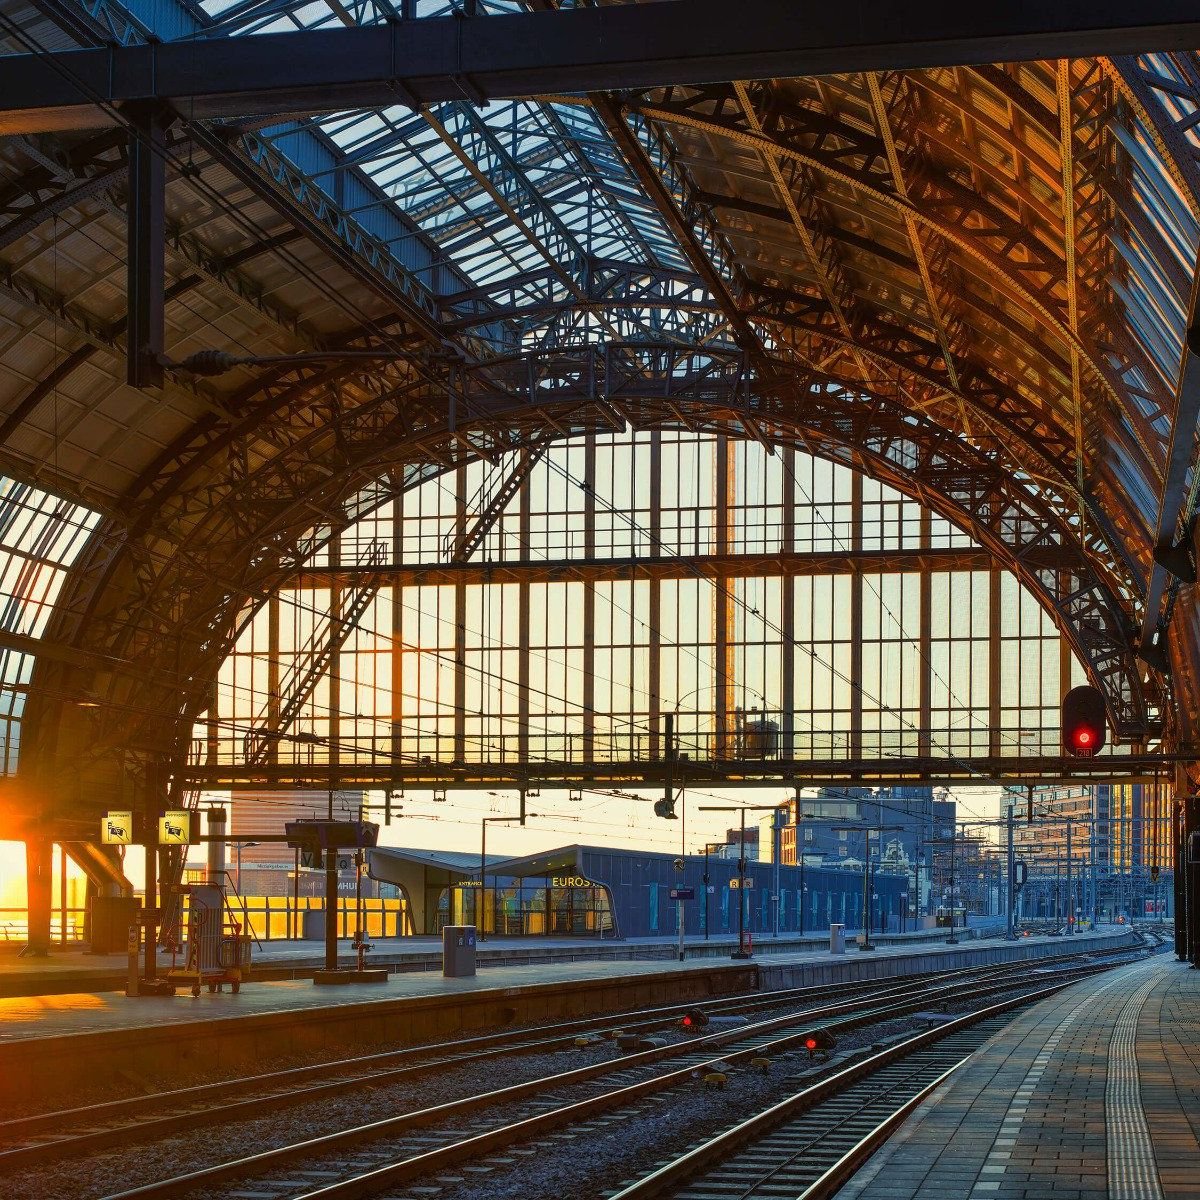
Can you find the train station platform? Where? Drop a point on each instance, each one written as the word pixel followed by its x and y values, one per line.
pixel 74 970
pixel 183 1034
pixel 1094 1092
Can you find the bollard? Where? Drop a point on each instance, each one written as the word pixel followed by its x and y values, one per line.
pixel 131 982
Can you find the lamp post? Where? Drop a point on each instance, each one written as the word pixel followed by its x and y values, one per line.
pixel 238 848
pixel 707 847
pixel 482 930
pixel 741 951
pixel 865 830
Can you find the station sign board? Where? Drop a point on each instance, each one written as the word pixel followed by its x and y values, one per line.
pixel 683 893
pixel 116 828
pixel 572 881
pixel 175 828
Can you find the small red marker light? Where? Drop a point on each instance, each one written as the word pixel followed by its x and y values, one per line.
pixel 687 1022
pixel 810 1043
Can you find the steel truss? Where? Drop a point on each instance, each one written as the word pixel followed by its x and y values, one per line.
pixel 835 772
pixel 952 332
pixel 607 47
pixel 130 606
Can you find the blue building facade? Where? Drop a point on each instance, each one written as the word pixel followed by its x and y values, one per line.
pixel 635 889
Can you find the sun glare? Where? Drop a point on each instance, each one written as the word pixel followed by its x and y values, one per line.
pixel 12 874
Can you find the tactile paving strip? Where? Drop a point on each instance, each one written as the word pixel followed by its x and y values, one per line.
pixel 1132 1173
pixel 992 1173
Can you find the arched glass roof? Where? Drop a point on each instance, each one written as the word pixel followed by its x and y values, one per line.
pixel 973 281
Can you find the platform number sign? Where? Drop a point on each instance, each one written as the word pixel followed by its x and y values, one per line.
pixel 116 829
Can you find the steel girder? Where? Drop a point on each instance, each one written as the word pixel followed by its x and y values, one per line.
pixel 970 395
pixel 607 47
pixel 655 772
pixel 784 564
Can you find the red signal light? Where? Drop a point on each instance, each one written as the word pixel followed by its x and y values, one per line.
pixel 1084 722
pixel 687 1021
pixel 810 1043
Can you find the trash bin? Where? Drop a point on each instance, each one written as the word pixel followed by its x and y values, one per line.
pixel 458 951
pixel 110 921
pixel 837 939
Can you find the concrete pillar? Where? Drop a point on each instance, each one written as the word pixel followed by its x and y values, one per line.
pixel 216 819
pixel 39 870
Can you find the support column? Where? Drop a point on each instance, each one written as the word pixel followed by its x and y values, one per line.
pixel 460 631
pixel 925 723
pixel 39 869
pixel 723 498
pixel 331 909
pixel 654 636
pixel 216 845
pixel 589 603
pixel 1191 812
pixel 334 670
pixel 273 678
pixel 994 666
pixel 144 333
pixel 1180 879
pixel 523 588
pixel 787 665
pixel 153 810
pixel 856 614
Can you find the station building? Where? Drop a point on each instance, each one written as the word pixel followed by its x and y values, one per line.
pixel 602 892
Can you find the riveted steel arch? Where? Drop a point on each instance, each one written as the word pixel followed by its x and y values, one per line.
pixel 173 617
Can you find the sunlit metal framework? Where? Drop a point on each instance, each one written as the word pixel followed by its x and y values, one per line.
pixel 972 283
pixel 636 576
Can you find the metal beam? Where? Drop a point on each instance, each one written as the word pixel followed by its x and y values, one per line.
pixel 592 49
pixel 785 564
pixel 146 323
pixel 984 771
pixel 1172 558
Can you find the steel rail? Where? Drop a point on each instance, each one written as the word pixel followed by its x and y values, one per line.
pixel 285 1156
pixel 753 1039
pixel 473 1147
pixel 276 1090
pixel 668 1179
pixel 149 1121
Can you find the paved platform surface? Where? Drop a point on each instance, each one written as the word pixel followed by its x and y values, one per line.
pixel 71 969
pixel 1092 1093
pixel 26 1017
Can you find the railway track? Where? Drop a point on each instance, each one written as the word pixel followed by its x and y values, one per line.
pixel 808 1145
pixel 386 1154
pixel 63 1133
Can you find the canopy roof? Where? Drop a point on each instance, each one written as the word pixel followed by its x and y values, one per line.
pixel 972 282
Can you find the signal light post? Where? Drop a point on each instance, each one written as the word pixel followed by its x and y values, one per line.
pixel 868 907
pixel 741 951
